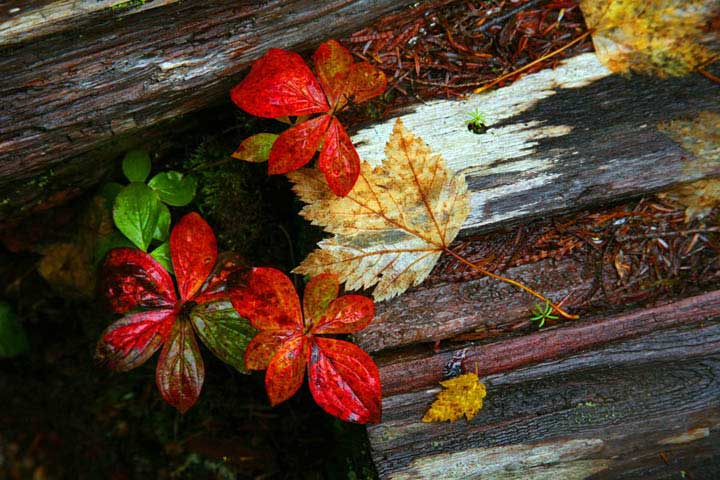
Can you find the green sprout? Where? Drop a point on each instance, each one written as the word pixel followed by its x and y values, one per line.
pixel 542 313
pixel 476 122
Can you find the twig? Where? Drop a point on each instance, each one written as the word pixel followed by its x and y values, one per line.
pixel 533 63
pixel 625 238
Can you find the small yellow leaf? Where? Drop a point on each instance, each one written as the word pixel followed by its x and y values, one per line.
pixel 392 227
pixel 463 395
pixel 659 37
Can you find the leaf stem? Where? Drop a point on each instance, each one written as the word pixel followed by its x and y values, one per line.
pixel 529 290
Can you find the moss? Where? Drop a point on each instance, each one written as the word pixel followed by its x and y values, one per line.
pixel 127 5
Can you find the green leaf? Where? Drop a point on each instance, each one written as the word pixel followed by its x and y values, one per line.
pixel 136 213
pixel 162 230
pixel 13 340
pixel 162 255
pixel 110 191
pixel 136 165
pixel 256 148
pixel 174 188
pixel 223 331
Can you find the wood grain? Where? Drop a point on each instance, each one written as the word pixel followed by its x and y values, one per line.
pixel 561 140
pixel 74 98
pixel 608 412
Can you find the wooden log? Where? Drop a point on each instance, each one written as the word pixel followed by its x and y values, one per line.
pixel 80 79
pixel 561 140
pixel 567 403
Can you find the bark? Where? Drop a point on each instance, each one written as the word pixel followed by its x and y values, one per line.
pixel 627 396
pixel 81 79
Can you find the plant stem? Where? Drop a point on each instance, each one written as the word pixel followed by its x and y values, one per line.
pixel 534 62
pixel 529 290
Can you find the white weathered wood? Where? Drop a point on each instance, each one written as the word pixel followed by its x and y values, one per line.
pixel 559 140
pixel 22 21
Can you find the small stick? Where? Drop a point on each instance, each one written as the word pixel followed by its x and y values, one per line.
pixel 531 64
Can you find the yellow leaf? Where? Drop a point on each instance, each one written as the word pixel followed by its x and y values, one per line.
pixel 701 137
pixel 392 227
pixel 463 395
pixel 659 37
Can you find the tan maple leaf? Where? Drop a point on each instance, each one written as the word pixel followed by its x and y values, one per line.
pixel 390 230
pixel 463 395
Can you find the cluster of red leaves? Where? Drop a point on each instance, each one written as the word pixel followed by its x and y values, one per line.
pixel 343 379
pixel 137 285
pixel 280 84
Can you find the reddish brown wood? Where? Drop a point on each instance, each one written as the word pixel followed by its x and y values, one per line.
pixel 421 368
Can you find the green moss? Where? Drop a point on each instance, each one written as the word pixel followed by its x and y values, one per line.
pixel 128 4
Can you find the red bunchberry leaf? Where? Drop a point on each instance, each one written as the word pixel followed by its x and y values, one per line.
pixel 286 370
pixel 263 347
pixel 215 287
pixel 267 298
pixel 133 279
pixel 130 341
pixel 344 381
pixel 365 82
pixel 339 160
pixel 180 371
pixel 279 84
pixel 332 64
pixel 347 314
pixel 319 292
pixel 296 146
pixel 193 250
pixel 343 378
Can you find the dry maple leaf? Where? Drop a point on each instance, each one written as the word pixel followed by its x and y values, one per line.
pixel 463 395
pixel 392 227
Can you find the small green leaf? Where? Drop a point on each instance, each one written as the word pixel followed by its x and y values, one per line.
pixel 13 340
pixel 256 148
pixel 110 191
pixel 162 230
pixel 174 188
pixel 223 331
pixel 136 165
pixel 136 212
pixel 162 255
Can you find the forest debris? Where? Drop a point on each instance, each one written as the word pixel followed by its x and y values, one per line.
pixel 663 38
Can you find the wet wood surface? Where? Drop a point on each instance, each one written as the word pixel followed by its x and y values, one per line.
pixel 81 78
pixel 636 395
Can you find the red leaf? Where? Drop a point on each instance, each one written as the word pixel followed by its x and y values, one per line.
pixel 130 341
pixel 193 250
pixel 332 64
pixel 344 380
pixel 297 145
pixel 347 314
pixel 180 371
pixel 216 285
pixel 279 84
pixel 319 292
pixel 267 298
pixel 263 347
pixel 365 82
pixel 339 160
pixel 286 370
pixel 133 279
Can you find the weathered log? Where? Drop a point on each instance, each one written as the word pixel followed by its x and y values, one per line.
pixel 567 403
pixel 561 140
pixel 80 78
